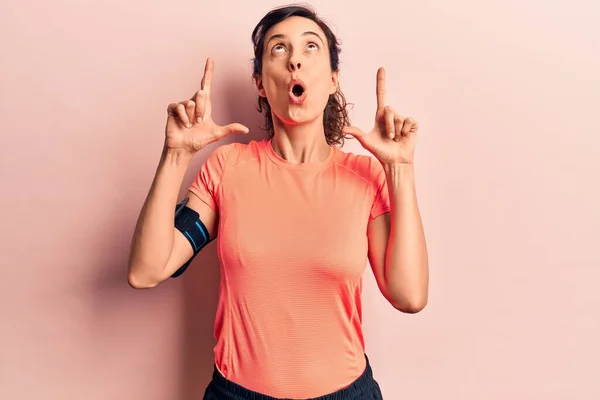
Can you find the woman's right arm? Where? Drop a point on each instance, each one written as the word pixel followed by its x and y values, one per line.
pixel 158 249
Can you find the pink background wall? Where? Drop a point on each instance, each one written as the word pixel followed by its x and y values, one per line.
pixel 507 94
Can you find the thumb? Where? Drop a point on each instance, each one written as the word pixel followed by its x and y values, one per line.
pixel 355 132
pixel 232 128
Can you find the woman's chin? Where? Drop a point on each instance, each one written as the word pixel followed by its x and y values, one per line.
pixel 297 116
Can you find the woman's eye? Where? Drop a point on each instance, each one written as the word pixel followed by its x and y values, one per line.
pixel 313 46
pixel 278 48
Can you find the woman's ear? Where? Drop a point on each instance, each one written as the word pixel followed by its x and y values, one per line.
pixel 259 86
pixel 335 82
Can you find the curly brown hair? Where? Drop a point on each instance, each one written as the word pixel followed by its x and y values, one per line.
pixel 335 116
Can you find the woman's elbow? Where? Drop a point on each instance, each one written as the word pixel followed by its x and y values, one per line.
pixel 138 280
pixel 410 305
pixel 410 308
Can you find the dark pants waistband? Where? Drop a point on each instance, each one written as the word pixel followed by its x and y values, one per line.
pixel 365 387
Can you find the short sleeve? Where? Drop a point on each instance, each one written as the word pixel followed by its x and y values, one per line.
pixel 381 202
pixel 207 182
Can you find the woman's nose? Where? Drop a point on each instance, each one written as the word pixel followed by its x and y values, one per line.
pixel 294 65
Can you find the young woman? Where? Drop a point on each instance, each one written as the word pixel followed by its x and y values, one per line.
pixel 296 220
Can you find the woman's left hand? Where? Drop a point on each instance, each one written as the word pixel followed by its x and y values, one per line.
pixel 393 138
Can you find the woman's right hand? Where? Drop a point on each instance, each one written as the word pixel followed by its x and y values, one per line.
pixel 189 123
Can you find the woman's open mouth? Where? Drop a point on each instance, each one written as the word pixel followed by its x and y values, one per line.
pixel 297 91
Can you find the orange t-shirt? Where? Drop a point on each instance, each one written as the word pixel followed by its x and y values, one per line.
pixel 292 244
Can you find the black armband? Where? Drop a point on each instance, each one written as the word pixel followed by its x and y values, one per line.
pixel 188 222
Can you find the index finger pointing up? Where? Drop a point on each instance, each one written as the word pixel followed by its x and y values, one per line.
pixel 381 100
pixel 208 72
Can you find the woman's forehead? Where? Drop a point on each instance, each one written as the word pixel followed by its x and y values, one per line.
pixel 294 27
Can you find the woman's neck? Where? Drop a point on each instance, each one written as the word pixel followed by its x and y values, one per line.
pixel 300 143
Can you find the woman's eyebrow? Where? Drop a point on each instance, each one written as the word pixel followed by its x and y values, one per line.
pixel 282 36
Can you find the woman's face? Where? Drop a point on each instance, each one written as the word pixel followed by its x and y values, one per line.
pixel 296 49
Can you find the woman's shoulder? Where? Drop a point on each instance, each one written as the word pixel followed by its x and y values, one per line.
pixel 365 166
pixel 234 149
pixel 229 155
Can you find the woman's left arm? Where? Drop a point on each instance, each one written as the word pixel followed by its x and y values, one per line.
pixel 397 246
pixel 397 250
